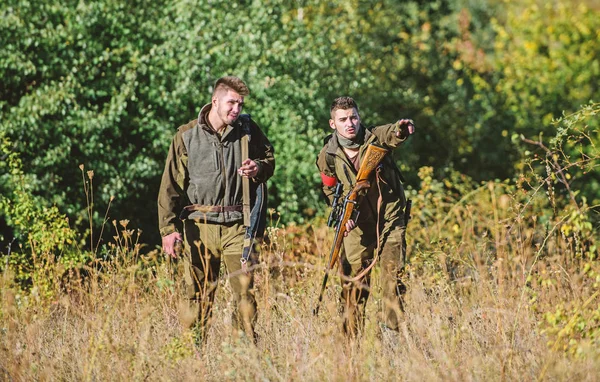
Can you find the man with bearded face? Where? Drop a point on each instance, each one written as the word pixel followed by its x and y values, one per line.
pixel 381 224
pixel 200 201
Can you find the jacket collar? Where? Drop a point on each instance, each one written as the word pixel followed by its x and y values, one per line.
pixel 203 122
pixel 333 144
pixel 203 117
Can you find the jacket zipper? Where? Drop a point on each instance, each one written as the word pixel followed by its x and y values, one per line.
pixel 224 173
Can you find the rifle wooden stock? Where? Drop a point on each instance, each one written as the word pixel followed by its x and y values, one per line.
pixel 373 157
pixel 371 160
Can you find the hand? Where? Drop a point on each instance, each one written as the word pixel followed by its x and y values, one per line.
pixel 168 243
pixel 249 169
pixel 406 127
pixel 350 225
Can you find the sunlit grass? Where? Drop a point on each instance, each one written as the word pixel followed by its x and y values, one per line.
pixel 503 284
pixel 470 315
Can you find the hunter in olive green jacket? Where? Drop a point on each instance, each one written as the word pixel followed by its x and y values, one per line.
pixel 392 193
pixel 378 233
pixel 200 180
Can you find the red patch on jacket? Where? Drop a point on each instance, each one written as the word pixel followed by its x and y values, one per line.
pixel 329 181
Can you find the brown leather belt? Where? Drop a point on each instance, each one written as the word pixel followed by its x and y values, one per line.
pixel 200 208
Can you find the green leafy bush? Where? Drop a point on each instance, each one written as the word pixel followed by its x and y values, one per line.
pixel 106 83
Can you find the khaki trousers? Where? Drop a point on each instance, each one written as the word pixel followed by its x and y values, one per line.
pixel 206 244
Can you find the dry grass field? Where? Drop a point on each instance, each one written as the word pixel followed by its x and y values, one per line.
pixel 497 291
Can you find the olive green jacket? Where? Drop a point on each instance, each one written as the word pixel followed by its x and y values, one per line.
pixel 201 171
pixel 390 184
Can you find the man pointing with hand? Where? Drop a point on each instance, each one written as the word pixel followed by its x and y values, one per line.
pixel 379 231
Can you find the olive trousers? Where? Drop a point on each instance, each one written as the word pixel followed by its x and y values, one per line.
pixel 206 244
pixel 359 250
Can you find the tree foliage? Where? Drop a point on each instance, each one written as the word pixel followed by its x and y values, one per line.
pixel 106 83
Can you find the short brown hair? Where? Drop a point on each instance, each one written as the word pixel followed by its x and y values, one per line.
pixel 342 103
pixel 231 83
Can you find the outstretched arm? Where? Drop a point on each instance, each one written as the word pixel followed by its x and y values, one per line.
pixel 393 134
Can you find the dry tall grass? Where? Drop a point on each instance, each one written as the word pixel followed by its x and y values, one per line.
pixel 482 281
pixel 503 285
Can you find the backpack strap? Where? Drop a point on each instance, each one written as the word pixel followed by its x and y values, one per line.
pixel 329 159
pixel 254 202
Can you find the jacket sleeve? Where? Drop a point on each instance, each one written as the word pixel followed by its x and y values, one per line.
pixel 263 154
pixel 386 135
pixel 328 178
pixel 171 195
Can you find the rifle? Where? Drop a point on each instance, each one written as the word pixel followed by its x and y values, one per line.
pixel 373 157
pixel 254 205
pixel 258 221
pixel 407 211
pixel 336 207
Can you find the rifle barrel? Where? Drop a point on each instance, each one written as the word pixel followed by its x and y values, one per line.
pixel 316 310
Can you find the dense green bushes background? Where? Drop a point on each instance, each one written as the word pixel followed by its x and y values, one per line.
pixel 106 83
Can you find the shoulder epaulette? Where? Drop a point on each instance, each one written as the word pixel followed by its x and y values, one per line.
pixel 188 125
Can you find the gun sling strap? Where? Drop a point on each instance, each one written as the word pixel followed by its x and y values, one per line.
pixel 362 273
pixel 254 215
pixel 245 183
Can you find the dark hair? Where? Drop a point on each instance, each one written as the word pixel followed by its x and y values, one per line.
pixel 342 103
pixel 231 83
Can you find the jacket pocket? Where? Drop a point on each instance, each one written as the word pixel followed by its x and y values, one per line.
pixel 204 162
pixel 192 193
